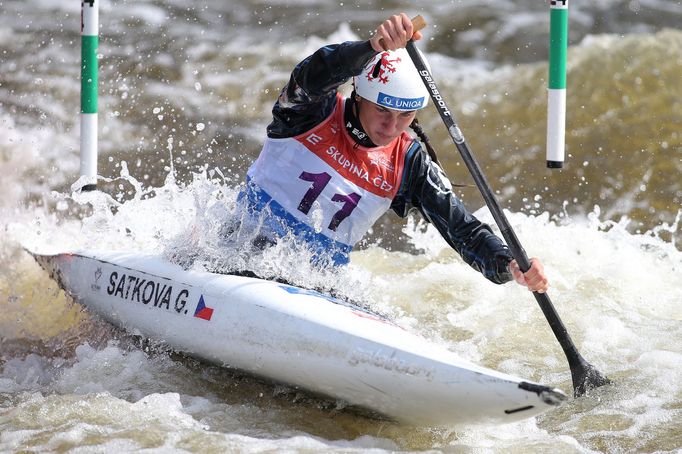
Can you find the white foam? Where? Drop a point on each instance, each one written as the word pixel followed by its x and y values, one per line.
pixel 111 370
pixel 31 373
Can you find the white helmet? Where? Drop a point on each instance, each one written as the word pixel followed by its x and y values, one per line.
pixel 391 80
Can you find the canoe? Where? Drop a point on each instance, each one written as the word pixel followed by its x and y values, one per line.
pixel 295 336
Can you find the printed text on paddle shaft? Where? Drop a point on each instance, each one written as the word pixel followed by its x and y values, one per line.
pixel 437 97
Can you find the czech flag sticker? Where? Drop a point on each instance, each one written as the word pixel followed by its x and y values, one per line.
pixel 202 310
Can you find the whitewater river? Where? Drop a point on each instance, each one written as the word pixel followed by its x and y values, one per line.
pixel 185 95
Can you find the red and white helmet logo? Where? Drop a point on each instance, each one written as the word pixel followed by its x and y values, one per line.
pixel 381 70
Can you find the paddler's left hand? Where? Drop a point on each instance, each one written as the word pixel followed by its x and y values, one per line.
pixel 535 278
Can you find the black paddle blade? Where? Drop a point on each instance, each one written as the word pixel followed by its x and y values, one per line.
pixel 586 377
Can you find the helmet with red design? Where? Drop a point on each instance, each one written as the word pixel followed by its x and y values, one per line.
pixel 391 80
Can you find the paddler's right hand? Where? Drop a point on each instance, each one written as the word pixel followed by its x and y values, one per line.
pixel 394 33
pixel 534 279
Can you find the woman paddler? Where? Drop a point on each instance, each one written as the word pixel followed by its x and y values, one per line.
pixel 330 167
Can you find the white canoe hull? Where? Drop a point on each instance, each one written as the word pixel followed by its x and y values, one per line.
pixel 294 336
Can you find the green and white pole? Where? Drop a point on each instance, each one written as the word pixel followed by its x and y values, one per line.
pixel 556 87
pixel 89 44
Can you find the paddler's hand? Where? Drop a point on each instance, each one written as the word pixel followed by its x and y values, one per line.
pixel 534 278
pixel 394 33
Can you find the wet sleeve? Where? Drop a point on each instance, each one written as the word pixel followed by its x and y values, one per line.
pixel 310 95
pixel 426 188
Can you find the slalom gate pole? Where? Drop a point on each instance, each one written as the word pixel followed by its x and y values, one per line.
pixel 556 83
pixel 88 117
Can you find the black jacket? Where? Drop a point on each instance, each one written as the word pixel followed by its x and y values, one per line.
pixel 310 97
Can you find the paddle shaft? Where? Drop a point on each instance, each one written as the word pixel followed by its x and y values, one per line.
pixel 584 375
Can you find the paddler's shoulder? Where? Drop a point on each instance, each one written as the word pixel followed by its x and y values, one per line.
pixel 356 53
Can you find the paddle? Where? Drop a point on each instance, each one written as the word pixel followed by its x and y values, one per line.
pixel 584 375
